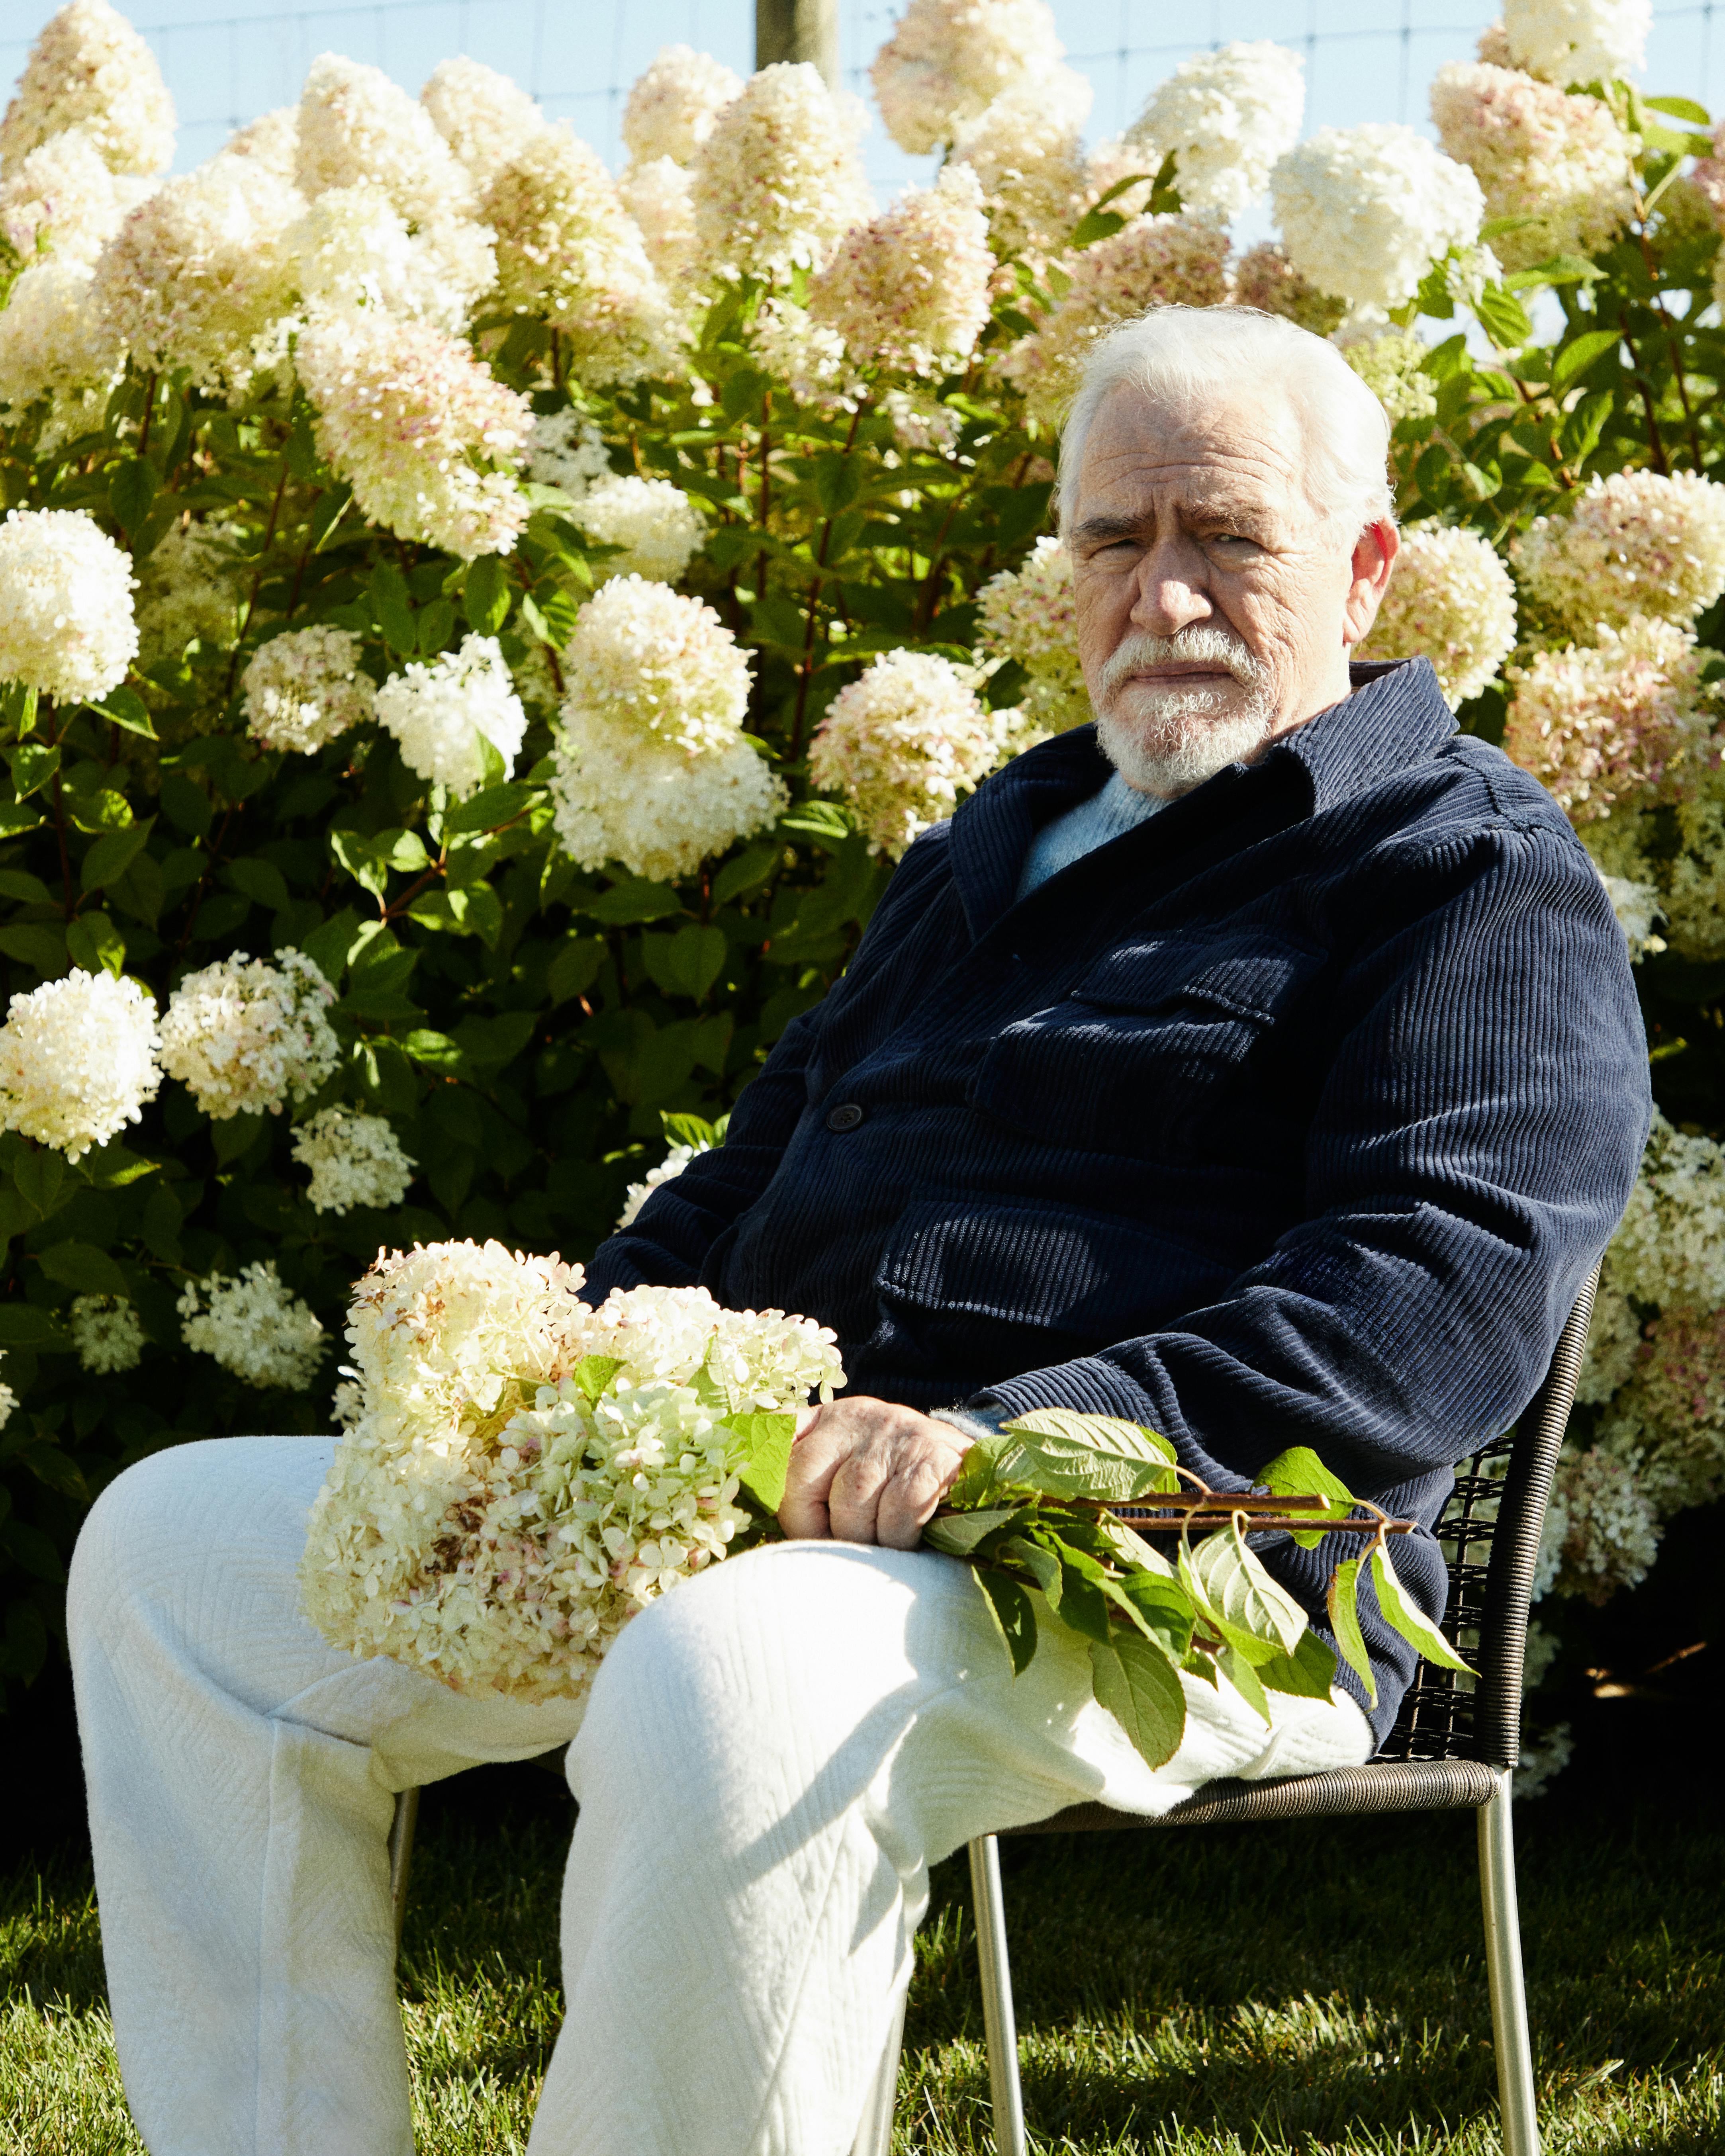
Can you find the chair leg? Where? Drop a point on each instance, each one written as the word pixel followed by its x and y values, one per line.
pixel 1503 1963
pixel 874 2137
pixel 999 2026
pixel 401 1852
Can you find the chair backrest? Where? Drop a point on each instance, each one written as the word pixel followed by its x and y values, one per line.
pixel 1490 1532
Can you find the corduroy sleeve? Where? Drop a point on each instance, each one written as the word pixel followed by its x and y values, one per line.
pixel 1476 1135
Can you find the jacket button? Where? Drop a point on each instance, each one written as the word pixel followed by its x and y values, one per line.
pixel 844 1117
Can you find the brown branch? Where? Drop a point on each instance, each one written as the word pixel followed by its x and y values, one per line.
pixel 251 604
pixel 1671 334
pixel 1655 443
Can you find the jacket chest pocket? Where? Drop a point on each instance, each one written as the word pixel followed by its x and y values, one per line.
pixel 1159 1040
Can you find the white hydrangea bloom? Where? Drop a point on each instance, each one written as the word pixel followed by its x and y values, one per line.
pixel 1670 1249
pixel 354 1159
pixel 1449 600
pixel 672 1166
pixel 779 181
pixel 920 421
pixel 427 436
pixel 357 126
pixel 481 114
pixel 1155 261
pixel 660 195
pixel 1391 362
pixel 648 661
pixel 195 274
pixel 63 202
pixel 1264 277
pixel 1558 164
pixel 807 357
pixel 1639 908
pixel 486 1521
pixel 107 1334
pixel 947 60
pixel 244 1034
pixel 347 1404
pixel 673 105
pixel 1364 212
pixel 1671 1420
pixel 185 589
pixel 910 289
pixel 901 743
pixel 1601 1528
pixel 568 451
pixel 254 1326
pixel 67 625
pixel 1543 1760
pixel 1568 41
pixel 1027 151
pixel 439 713
pixel 306 687
pixel 1227 116
pixel 89 70
pixel 570 254
pixel 53 343
pixel 1636 543
pixel 1613 1337
pixel 78 1060
pixel 657 812
pixel 9 1400
pixel 1028 613
pixel 273 139
pixel 1616 725
pixel 352 248
pixel 656 524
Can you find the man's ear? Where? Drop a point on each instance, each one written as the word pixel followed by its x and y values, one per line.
pixel 1374 554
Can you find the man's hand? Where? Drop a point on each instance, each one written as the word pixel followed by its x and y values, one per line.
pixel 865 1471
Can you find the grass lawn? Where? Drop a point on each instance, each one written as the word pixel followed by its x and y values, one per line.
pixel 1304 1988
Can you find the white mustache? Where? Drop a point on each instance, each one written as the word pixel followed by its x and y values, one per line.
pixel 1203 642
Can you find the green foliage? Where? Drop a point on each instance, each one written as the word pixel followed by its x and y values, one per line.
pixel 533 1033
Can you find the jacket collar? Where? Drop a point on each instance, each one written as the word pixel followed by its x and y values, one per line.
pixel 1395 717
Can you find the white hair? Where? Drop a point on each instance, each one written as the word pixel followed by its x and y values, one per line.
pixel 1182 356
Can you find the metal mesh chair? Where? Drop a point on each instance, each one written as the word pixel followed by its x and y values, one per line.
pixel 1455 1742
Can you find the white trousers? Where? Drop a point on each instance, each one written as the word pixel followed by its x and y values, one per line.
pixel 769 1762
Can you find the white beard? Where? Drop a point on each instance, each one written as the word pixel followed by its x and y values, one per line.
pixel 1187 735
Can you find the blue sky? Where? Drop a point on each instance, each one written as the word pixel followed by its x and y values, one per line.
pixel 227 60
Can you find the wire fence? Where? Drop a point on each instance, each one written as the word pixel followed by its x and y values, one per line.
pixel 1365 59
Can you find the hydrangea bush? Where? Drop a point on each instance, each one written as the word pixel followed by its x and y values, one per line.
pixel 477 631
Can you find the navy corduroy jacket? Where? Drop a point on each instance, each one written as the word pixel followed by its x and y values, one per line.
pixel 1296 1114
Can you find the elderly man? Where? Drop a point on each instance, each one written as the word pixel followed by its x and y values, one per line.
pixel 1261 1063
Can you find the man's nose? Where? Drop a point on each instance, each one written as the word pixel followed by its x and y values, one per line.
pixel 1171 594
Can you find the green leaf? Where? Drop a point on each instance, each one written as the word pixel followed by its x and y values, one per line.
pixel 21 884
pixel 1343 1604
pixel 113 1166
pixel 574 969
pixel 331 507
pixel 687 963
pixel 497 805
pixel 485 594
pixel 132 488
pixel 39 1173
pixel 1245 1680
pixel 1579 354
pixel 1681 108
pixel 30 1547
pixel 1503 317
pixel 22 1325
pixel 629 899
pixel 126 709
pixel 1141 1688
pixel 744 873
pixel 1015 1616
pixel 957 1534
pixel 94 942
pixel 593 1372
pixel 1157 1606
pixel 436 626
pixel 113 854
pixel 32 765
pixel 36 945
pixel 234 1135
pixel 1043 1565
pixel 435 1051
pixel 1299 1472
pixel 388 593
pixel 825 820
pixel 1070 1455
pixel 1308 1672
pixel 82 1266
pixel 1403 1614
pixel 1253 1613
pixel 261 881
pixel 766 1440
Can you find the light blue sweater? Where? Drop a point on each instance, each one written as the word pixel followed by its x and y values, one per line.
pixel 1117 808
